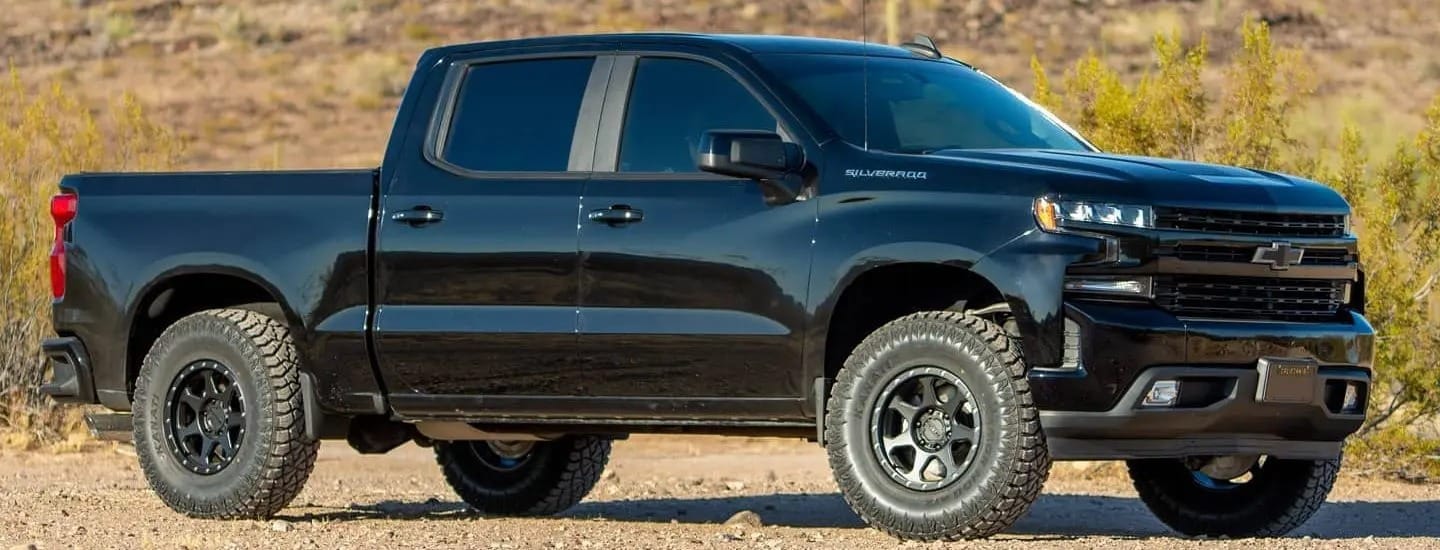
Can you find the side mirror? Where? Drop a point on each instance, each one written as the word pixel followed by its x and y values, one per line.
pixel 752 154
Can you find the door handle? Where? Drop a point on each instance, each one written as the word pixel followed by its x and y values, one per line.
pixel 617 215
pixel 418 216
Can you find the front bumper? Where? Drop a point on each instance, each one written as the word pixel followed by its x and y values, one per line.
pixel 1096 413
pixel 71 380
pixel 1236 423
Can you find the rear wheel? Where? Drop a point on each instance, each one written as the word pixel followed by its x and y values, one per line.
pixel 527 478
pixel 1269 499
pixel 219 427
pixel 932 432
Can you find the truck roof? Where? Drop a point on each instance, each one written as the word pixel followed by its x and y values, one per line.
pixel 747 43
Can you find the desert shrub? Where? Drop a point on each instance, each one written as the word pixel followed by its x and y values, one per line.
pixel 45 134
pixel 1169 112
pixel 1396 451
pixel 1264 85
pixel 1400 245
pixel 1396 199
pixel 1161 115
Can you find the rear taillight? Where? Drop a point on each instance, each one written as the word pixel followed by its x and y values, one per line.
pixel 62 209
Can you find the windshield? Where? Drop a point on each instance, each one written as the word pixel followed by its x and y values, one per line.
pixel 916 105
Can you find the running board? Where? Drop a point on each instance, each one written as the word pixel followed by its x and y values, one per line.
pixel 111 426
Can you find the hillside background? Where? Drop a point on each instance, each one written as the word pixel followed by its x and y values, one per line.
pixel 314 83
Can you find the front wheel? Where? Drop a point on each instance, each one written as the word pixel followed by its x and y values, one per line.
pixel 1271 499
pixel 932 432
pixel 525 478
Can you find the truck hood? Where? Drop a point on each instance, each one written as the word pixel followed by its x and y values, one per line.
pixel 1156 181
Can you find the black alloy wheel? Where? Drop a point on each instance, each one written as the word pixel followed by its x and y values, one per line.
pixel 927 428
pixel 502 456
pixel 523 478
pixel 206 417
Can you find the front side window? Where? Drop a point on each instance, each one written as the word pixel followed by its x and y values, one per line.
pixel 517 116
pixel 917 105
pixel 672 103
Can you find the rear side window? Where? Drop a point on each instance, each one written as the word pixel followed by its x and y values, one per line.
pixel 674 101
pixel 517 116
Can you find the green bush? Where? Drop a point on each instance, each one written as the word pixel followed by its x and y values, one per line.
pixel 44 135
pixel 1396 200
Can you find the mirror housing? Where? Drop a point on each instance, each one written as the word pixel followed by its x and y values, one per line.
pixel 752 154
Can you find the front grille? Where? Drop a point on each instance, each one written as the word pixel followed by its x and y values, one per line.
pixel 1237 222
pixel 1297 300
pixel 1231 254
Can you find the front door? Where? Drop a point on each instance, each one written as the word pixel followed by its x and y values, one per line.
pixel 692 286
pixel 477 259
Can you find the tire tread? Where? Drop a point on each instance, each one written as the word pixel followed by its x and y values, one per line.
pixel 1022 480
pixel 569 479
pixel 1276 516
pixel 289 458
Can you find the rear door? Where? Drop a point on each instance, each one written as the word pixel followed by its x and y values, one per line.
pixel 694 303
pixel 477 255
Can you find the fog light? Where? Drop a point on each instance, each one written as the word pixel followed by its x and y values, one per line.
pixel 1351 403
pixel 1162 393
pixel 1070 359
pixel 1125 286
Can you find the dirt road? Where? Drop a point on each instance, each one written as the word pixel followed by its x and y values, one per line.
pixel 657 493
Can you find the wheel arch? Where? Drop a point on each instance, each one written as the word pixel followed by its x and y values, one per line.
pixel 874 293
pixel 182 291
pixel 1026 272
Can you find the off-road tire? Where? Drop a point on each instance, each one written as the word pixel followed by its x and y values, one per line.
pixel 1281 497
pixel 1011 461
pixel 554 476
pixel 274 456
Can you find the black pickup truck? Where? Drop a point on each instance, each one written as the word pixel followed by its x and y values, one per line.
pixel 574 239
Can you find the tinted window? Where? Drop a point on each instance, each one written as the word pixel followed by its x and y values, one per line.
pixel 917 106
pixel 674 101
pixel 518 115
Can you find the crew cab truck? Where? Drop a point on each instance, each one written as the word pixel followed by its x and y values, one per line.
pixel 574 239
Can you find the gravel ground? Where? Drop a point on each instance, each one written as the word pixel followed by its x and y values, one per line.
pixel 675 492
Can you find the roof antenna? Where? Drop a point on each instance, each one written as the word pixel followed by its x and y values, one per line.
pixel 865 69
pixel 923 45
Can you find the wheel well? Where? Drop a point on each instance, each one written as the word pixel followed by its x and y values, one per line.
pixel 890 292
pixel 175 298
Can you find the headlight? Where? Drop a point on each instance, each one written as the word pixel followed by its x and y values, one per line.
pixel 1051 215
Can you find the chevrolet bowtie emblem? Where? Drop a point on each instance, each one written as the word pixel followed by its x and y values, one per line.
pixel 1280 256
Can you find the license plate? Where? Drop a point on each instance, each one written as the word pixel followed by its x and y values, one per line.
pixel 1287 380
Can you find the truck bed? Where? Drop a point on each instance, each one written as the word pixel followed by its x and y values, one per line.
pixel 300 235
